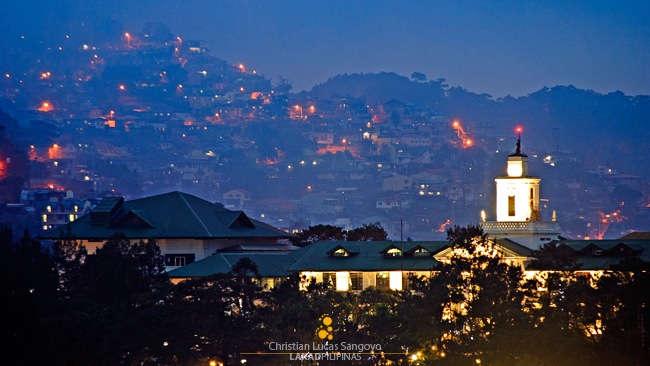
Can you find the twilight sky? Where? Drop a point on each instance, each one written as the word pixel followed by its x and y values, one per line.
pixel 495 47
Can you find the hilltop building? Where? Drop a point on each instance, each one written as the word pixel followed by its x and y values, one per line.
pixel 518 214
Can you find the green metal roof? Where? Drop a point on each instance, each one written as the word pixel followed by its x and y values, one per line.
pixel 365 256
pixel 268 264
pixel 169 215
pixel 208 266
pixel 602 254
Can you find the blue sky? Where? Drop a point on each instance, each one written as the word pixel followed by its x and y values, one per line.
pixel 494 47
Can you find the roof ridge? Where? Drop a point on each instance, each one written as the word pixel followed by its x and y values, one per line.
pixel 181 194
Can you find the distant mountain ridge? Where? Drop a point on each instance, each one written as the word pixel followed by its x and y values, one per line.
pixel 598 128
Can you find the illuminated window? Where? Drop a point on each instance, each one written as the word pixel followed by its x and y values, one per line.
pixel 356 281
pixel 406 280
pixel 511 205
pixel 178 260
pixel 329 278
pixel 382 281
pixel 394 252
pixel 340 253
pixel 421 253
pixel 49 208
pixel 72 217
pixel 44 218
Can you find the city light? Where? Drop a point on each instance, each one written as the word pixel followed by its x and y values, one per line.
pixel 45 107
pixel 464 139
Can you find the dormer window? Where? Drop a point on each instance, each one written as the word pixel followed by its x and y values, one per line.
pixel 421 252
pixel 393 252
pixel 49 208
pixel 340 253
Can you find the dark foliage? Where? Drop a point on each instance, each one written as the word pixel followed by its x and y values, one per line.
pixel 116 307
pixel 554 257
pixel 368 232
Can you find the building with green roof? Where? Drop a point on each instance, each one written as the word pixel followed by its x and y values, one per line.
pixel 185 227
pixel 347 265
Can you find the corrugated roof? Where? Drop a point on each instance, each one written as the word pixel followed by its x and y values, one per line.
pixel 172 215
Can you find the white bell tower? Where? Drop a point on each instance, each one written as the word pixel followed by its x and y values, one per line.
pixel 517 193
pixel 518 215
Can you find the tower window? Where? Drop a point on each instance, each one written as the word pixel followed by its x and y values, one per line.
pixel 511 205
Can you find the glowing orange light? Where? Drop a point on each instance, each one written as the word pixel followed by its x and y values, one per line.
pixel 122 87
pixel 468 142
pixel 45 107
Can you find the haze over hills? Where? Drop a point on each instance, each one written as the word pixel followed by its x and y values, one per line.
pixel 147 112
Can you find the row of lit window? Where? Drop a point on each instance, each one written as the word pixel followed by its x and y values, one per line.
pixel 71 217
pixel 49 208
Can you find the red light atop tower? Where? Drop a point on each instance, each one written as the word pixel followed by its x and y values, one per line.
pixel 518 129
